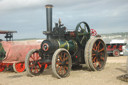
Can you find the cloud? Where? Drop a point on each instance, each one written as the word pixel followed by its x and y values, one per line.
pixel 106 7
pixel 9 5
pixel 103 15
pixel 6 5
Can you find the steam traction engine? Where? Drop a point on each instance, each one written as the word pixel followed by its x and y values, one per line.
pixel 62 49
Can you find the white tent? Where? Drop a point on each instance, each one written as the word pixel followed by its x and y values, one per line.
pixel 118 41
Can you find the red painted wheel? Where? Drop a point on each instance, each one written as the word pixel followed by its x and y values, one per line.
pixel 1 67
pixel 116 53
pixel 61 63
pixel 19 67
pixel 96 54
pixel 93 32
pixel 33 64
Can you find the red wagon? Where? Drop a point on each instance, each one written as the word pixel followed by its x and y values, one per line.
pixel 13 53
pixel 115 48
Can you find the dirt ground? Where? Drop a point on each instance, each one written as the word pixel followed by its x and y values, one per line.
pixel 115 67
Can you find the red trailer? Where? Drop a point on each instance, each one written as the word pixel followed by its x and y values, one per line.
pixel 13 53
pixel 115 48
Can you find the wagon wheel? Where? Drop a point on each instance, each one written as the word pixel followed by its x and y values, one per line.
pixel 19 67
pixel 61 63
pixel 1 67
pixel 82 32
pixel 116 52
pixel 96 54
pixel 32 63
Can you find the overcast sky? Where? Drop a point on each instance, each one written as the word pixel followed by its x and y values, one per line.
pixel 28 17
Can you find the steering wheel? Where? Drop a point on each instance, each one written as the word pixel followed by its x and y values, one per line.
pixel 82 32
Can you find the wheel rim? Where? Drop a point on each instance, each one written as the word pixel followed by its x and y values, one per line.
pixel 62 63
pixel 116 53
pixel 1 68
pixel 34 64
pixel 98 54
pixel 20 67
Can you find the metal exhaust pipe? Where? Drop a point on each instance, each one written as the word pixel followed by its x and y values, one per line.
pixel 49 20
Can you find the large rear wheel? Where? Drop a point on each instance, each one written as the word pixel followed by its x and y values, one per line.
pixel 61 63
pixel 32 63
pixel 96 54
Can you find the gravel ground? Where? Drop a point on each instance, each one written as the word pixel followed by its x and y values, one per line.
pixel 115 67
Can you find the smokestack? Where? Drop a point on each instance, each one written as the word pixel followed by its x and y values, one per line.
pixel 49 19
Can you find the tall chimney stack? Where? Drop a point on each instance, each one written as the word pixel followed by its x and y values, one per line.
pixel 49 19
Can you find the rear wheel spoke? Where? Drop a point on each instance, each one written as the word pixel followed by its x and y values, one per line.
pixel 93 54
pixel 64 70
pixel 98 46
pixel 102 58
pixel 66 67
pixel 94 47
pixel 67 62
pixel 94 59
pixel 101 50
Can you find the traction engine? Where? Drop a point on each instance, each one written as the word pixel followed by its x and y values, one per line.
pixel 63 49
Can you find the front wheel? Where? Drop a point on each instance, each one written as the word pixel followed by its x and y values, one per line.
pixel 32 63
pixel 61 63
